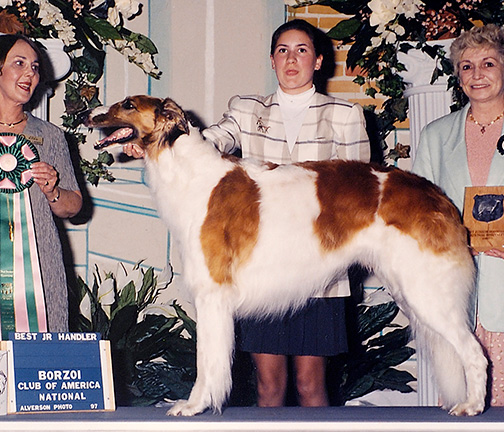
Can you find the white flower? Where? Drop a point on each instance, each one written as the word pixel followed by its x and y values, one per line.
pixel 144 60
pixel 166 276
pixel 128 8
pixel 113 17
pixel 399 30
pixel 409 8
pixel 375 42
pixel 66 34
pixel 51 16
pixel 388 36
pixel 5 3
pixel 385 11
pixel 158 309
pixel 106 294
pixel 123 277
pixel 129 50
pixel 124 8
pixel 85 307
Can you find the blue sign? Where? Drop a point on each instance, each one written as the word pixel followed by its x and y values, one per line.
pixel 57 372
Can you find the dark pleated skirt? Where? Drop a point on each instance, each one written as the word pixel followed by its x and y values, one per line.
pixel 318 330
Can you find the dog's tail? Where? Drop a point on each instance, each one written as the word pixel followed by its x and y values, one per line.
pixel 445 365
pixel 459 367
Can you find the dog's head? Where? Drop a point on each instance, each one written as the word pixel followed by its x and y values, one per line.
pixel 149 122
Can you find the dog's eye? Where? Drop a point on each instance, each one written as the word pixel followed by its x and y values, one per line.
pixel 127 104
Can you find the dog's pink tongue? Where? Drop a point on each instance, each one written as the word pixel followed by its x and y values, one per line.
pixel 116 137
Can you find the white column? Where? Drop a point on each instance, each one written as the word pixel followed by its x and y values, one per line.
pixel 60 65
pixel 427 102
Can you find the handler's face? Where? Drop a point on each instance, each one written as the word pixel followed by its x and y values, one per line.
pixel 294 61
pixel 20 74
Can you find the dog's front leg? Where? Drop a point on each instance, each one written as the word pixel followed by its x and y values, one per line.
pixel 214 351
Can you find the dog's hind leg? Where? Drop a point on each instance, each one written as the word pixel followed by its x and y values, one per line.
pixel 215 345
pixel 435 293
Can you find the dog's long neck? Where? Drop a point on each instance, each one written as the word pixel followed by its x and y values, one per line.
pixel 183 175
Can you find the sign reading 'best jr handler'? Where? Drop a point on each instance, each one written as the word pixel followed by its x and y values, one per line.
pixel 59 372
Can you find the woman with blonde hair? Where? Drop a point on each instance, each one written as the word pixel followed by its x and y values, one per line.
pixel 463 149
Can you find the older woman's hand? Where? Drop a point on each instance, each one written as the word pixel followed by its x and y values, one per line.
pixel 497 253
pixel 64 203
pixel 45 176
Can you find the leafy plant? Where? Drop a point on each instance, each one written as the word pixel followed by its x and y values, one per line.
pixel 370 363
pixel 153 355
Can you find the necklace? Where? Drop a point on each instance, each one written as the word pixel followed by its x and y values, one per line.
pixel 11 125
pixel 484 126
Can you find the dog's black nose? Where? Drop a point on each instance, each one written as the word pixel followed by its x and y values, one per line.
pixel 83 116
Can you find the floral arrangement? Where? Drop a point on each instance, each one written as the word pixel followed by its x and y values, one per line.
pixel 85 27
pixel 378 29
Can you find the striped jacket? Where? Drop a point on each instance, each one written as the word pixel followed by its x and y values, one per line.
pixel 332 129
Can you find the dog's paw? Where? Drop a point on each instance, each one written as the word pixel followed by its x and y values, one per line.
pixel 467 409
pixel 184 408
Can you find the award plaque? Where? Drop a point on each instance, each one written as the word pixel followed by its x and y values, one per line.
pixel 484 217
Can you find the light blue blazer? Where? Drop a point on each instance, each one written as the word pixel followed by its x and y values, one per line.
pixel 442 158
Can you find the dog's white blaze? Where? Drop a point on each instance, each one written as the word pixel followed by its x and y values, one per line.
pixel 100 110
pixel 381 176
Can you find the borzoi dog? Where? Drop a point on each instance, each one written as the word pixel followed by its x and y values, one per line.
pixel 258 239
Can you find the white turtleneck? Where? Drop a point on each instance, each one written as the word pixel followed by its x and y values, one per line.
pixel 294 108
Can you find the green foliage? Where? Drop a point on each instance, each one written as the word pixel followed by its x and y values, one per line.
pixel 370 364
pixel 153 355
pixel 96 169
pixel 373 48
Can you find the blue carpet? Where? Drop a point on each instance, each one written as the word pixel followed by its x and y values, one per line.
pixel 252 414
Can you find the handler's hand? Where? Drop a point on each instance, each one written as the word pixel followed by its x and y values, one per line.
pixel 133 150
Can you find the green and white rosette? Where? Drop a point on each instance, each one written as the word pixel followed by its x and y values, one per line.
pixel 17 153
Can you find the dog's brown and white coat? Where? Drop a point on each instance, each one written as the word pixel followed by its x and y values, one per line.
pixel 257 239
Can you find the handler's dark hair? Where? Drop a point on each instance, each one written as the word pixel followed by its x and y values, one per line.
pixel 301 25
pixel 7 42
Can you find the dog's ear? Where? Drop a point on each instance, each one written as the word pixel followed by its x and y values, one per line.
pixel 176 121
